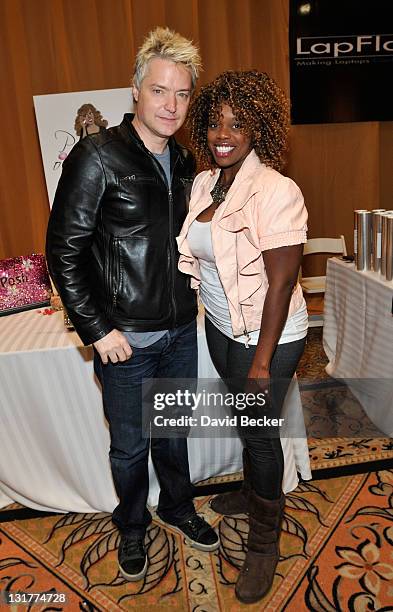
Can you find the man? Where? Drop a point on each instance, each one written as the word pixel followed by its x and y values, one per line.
pixel 120 202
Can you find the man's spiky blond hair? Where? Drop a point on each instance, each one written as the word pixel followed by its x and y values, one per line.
pixel 169 45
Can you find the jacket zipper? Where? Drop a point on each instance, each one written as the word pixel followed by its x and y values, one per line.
pixel 172 245
pixel 245 332
pixel 172 249
pixel 172 254
pixel 115 274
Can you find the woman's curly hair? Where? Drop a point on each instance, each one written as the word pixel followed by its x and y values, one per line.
pixel 82 112
pixel 258 103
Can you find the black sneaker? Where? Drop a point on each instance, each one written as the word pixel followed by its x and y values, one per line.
pixel 198 533
pixel 132 558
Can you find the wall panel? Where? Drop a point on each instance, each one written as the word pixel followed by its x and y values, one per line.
pixel 53 46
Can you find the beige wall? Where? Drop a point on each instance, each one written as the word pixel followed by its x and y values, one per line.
pixel 53 46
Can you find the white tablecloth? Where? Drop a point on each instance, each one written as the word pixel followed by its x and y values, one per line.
pixel 54 440
pixel 358 337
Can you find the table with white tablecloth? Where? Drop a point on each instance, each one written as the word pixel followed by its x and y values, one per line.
pixel 358 337
pixel 54 440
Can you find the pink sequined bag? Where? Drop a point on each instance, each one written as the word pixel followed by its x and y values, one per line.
pixel 24 283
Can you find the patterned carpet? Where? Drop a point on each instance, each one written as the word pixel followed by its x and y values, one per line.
pixel 342 439
pixel 336 546
pixel 336 555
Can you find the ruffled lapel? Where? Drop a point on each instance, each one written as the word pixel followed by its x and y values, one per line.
pixel 202 196
pixel 242 189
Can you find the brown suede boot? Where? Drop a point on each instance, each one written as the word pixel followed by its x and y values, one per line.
pixel 256 576
pixel 235 502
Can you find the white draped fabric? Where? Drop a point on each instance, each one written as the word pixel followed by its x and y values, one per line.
pixel 54 440
pixel 358 337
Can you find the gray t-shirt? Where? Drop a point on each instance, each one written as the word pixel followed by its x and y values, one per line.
pixel 165 161
pixel 144 339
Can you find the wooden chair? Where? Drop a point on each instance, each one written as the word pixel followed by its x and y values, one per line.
pixel 317 284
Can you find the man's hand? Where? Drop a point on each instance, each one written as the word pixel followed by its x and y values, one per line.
pixel 113 347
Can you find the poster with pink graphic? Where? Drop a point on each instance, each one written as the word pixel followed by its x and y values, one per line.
pixel 62 119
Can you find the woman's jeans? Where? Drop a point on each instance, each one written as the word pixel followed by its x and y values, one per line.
pixel 232 361
pixel 175 355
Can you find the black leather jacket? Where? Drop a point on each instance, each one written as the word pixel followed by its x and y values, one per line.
pixel 111 248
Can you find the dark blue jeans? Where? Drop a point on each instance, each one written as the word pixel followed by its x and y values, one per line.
pixel 232 361
pixel 175 355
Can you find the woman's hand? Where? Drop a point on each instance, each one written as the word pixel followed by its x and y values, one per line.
pixel 258 372
pixel 258 379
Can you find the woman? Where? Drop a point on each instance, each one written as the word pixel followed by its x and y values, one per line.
pixel 242 243
pixel 88 121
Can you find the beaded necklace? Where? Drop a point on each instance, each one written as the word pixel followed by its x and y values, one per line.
pixel 219 191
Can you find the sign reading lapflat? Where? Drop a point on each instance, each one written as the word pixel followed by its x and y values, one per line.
pixel 341 60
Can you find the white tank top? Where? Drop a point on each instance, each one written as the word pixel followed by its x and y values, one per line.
pixel 213 296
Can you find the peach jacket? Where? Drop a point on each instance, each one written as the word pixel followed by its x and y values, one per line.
pixel 263 210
